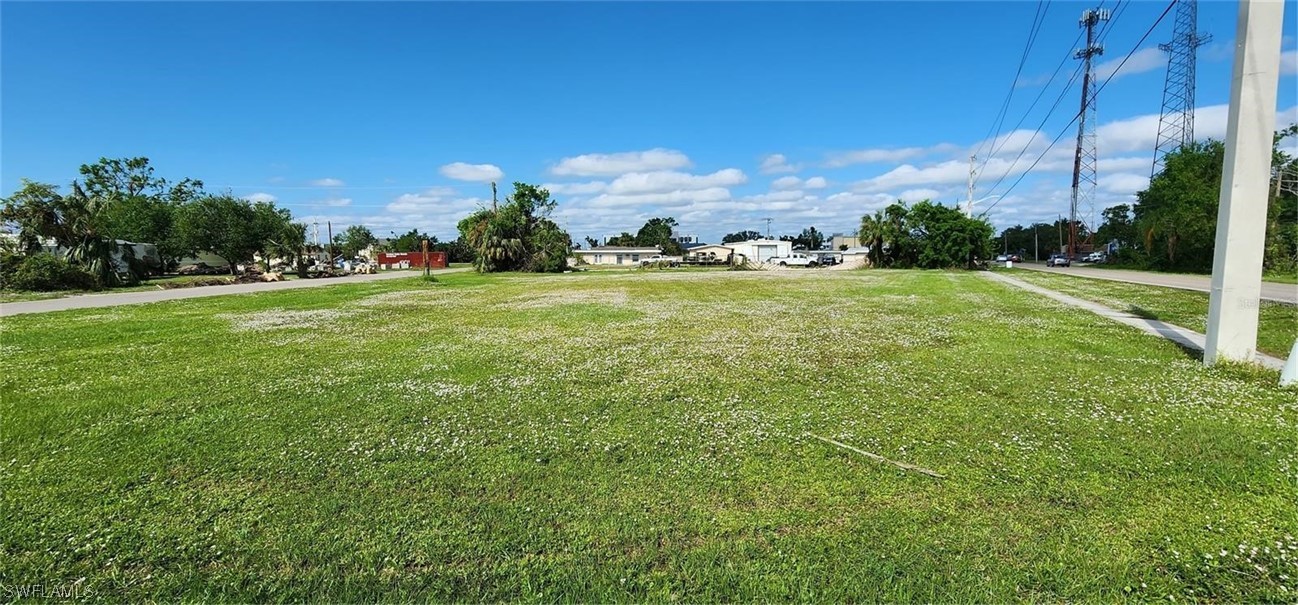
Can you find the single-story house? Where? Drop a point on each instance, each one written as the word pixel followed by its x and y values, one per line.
pixel 709 253
pixel 761 250
pixel 616 255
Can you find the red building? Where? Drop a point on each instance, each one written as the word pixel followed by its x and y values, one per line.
pixel 411 260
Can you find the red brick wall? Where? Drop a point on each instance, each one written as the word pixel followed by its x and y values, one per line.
pixel 436 260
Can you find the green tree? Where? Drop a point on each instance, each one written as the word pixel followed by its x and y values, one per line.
pixel 1177 215
pixel 76 222
pixel 518 235
pixel 591 242
pixel 357 238
pixel 741 236
pixel 946 238
pixel 625 239
pixel 658 232
pixel 872 236
pixel 137 205
pixel 411 241
pixel 224 225
pixel 927 235
pixel 288 242
pixel 1118 226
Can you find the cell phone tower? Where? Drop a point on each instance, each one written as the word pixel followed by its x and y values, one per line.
pixel 1084 159
pixel 1176 121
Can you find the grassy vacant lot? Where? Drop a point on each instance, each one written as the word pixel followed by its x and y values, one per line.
pixel 638 436
pixel 1277 322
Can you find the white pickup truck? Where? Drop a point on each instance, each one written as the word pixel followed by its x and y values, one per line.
pixel 794 260
pixel 671 261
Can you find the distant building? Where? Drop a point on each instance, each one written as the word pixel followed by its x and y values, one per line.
pixel 709 253
pixel 684 239
pixel 840 240
pixel 616 255
pixel 761 250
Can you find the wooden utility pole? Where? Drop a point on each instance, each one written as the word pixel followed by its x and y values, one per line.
pixel 426 267
pixel 330 226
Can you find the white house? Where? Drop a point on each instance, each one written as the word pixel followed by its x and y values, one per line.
pixel 709 253
pixel 616 255
pixel 761 250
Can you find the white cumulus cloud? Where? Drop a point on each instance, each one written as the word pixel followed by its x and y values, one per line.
pixel 1143 60
pixel 1289 63
pixel 260 197
pixel 789 183
pixel 575 188
pixel 479 173
pixel 664 181
pixel 327 182
pixel 839 159
pixel 612 164
pixel 776 163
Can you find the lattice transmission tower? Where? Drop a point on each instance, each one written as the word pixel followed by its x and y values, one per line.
pixel 1084 160
pixel 1176 121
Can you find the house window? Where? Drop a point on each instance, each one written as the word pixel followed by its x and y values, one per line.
pixel 635 258
pixel 599 259
pixel 619 259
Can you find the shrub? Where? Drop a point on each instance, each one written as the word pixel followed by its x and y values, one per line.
pixel 46 272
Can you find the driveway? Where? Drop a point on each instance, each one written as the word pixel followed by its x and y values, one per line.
pixel 90 301
pixel 1270 291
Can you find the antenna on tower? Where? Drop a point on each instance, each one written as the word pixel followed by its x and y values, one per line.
pixel 1176 122
pixel 1084 159
pixel 768 227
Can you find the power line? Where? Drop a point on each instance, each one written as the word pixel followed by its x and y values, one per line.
pixel 996 148
pixel 1119 7
pixel 1062 93
pixel 1037 20
pixel 1078 115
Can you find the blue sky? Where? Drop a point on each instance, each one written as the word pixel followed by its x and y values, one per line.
pixel 395 115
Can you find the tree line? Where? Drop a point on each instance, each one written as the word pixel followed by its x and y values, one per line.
pixel 1172 223
pixel 123 200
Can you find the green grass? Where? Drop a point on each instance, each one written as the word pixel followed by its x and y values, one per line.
pixel 1279 277
pixel 638 436
pixel 1277 321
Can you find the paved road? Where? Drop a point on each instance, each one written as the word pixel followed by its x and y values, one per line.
pixel 1270 291
pixel 89 301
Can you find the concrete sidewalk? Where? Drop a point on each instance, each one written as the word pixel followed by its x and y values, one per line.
pixel 1286 293
pixel 1182 336
pixel 90 301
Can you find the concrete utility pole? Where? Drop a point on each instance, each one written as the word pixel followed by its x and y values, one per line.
pixel 1241 214
pixel 768 227
pixel 968 206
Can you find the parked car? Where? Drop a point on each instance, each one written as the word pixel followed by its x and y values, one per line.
pixel 793 260
pixel 670 261
pixel 1000 258
pixel 1094 257
pixel 1016 258
pixel 1059 260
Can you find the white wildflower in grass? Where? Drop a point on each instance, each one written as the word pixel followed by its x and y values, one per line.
pixel 641 436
